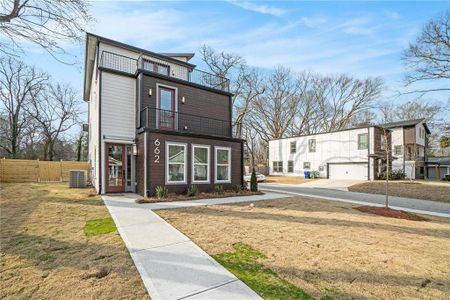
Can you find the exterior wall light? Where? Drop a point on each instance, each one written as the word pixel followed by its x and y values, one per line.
pixel 183 100
pixel 185 127
pixel 135 150
pixel 149 92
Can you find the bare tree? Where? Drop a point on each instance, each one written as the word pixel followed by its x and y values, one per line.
pixel 19 83
pixel 272 112
pixel 46 23
pixel 386 147
pixel 339 98
pixel 428 58
pixel 55 112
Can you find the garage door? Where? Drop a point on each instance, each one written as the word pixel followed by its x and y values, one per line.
pixel 348 171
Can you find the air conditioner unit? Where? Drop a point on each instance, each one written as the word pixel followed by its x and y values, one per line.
pixel 77 179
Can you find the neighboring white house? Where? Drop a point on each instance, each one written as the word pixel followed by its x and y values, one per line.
pixel 356 153
pixel 409 145
pixel 347 154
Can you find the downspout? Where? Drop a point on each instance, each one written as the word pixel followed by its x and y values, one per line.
pixel 101 162
pixel 242 163
pixel 145 163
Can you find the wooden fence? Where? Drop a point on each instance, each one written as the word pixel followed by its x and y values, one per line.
pixel 21 170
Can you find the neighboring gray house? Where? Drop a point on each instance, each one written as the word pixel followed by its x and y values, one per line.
pixel 438 167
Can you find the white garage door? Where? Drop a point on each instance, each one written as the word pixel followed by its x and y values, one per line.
pixel 348 171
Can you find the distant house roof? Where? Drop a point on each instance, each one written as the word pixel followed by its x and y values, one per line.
pixel 406 123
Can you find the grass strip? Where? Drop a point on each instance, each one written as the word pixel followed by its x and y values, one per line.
pixel 99 226
pixel 244 264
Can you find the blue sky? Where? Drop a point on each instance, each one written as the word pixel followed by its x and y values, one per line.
pixel 358 38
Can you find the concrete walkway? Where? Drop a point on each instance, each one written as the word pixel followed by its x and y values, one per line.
pixel 170 264
pixel 434 208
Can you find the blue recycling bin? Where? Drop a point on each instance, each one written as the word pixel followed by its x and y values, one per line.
pixel 307 174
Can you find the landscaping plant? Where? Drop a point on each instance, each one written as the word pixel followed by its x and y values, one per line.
pixel 218 188
pixel 237 188
pixel 192 190
pixel 161 192
pixel 253 182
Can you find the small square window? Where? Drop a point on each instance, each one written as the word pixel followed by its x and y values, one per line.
pixel 291 166
pixel 312 145
pixel 306 165
pixel 293 147
pixel 362 141
pixel 278 166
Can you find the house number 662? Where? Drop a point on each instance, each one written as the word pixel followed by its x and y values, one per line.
pixel 157 143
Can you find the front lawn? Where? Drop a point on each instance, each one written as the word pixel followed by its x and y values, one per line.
pixel 418 190
pixel 322 249
pixel 60 243
pixel 287 179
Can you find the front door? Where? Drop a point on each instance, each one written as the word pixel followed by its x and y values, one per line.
pixel 166 108
pixel 115 168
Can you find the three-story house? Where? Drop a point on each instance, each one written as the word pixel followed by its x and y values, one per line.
pixel 155 120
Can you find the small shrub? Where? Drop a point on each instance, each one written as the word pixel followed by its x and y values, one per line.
pixel 314 174
pixel 253 182
pixel 218 188
pixel 237 188
pixel 192 190
pixel 446 177
pixel 244 185
pixel 161 192
pixel 393 175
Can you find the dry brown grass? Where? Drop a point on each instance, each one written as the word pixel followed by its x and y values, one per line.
pixel 330 248
pixel 287 179
pixel 45 254
pixel 418 190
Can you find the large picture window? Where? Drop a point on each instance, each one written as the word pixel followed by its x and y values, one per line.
pixel 223 164
pixel 175 163
pixel 200 164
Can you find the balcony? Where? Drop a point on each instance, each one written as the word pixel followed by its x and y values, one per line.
pixel 154 118
pixel 159 66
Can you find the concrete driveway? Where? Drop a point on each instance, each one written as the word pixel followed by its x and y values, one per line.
pixel 335 184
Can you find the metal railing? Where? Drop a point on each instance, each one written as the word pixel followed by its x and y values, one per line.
pixel 157 65
pixel 155 118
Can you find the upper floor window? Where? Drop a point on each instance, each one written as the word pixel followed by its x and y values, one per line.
pixel 223 164
pixel 293 147
pixel 312 145
pixel 383 142
pixel 277 166
pixel 166 106
pixel 397 150
pixel 290 166
pixel 176 163
pixel 156 67
pixel 200 164
pixel 362 141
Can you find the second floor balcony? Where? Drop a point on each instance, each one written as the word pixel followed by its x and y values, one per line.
pixel 159 66
pixel 154 118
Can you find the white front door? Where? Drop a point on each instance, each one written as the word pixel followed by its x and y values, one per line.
pixel 348 171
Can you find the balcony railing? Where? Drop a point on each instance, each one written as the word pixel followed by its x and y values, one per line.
pixel 159 66
pixel 154 118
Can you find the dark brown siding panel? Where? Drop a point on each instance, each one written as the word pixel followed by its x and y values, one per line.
pixel 157 169
pixel 410 135
pixel 140 164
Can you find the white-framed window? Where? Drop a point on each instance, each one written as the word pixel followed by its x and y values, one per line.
pixel 290 166
pixel 293 147
pixel 176 159
pixel 277 166
pixel 312 145
pixel 200 164
pixel 223 164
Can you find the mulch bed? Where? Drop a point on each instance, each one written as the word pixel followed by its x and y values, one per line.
pixel 180 197
pixel 390 213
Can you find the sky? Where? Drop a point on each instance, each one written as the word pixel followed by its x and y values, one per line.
pixel 362 39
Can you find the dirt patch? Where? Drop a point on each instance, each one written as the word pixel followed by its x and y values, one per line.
pixel 45 253
pixel 390 213
pixel 178 197
pixel 329 248
pixel 417 190
pixel 287 179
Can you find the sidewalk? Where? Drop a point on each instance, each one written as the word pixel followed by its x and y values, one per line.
pixel 170 264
